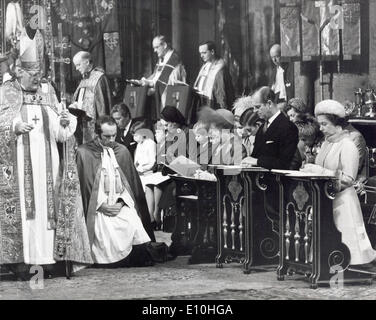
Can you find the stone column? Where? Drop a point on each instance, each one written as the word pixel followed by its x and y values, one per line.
pixel 305 75
pixel 177 25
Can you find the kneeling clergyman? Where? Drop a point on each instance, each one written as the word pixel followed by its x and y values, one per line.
pixel 113 199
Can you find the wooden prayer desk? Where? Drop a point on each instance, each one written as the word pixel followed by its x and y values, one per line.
pixel 309 241
pixel 196 215
pixel 180 97
pixel 135 98
pixel 367 127
pixel 245 232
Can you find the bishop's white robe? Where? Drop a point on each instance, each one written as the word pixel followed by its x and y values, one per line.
pixel 38 240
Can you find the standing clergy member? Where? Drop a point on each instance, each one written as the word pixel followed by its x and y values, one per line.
pixel 213 82
pixel 31 124
pixel 117 216
pixel 282 80
pixel 92 98
pixel 168 71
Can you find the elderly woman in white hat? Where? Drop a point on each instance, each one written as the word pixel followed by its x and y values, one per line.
pixel 339 157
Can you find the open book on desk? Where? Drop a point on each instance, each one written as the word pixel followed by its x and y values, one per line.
pixel 237 167
pixel 296 173
pixel 181 166
pixel 154 178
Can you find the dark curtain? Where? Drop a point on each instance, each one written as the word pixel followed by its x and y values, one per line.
pixel 259 31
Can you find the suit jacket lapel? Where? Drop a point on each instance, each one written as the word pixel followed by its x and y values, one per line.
pixel 274 126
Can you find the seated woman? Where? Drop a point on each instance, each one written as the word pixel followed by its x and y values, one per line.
pixel 175 144
pixel 201 134
pixel 227 148
pixel 296 109
pixel 144 159
pixel 145 153
pixel 241 105
pixel 155 182
pixel 338 156
pixel 250 122
pixel 310 138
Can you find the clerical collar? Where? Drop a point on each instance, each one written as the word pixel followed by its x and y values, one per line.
pixel 87 74
pixel 166 57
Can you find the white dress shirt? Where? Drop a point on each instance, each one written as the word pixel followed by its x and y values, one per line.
pixel 279 85
pixel 272 118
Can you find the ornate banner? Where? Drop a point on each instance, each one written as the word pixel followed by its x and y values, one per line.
pixel 310 36
pixel 351 30
pixel 290 31
pixel 86 22
pixel 112 53
pixel 316 15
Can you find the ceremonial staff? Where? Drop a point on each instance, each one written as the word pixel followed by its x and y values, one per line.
pixel 63 44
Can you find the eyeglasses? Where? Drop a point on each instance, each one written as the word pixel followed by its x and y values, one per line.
pixel 36 74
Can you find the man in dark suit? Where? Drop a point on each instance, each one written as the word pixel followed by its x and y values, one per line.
pixel 282 79
pixel 275 142
pixel 275 146
pixel 122 116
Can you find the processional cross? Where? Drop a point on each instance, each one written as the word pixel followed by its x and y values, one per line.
pixel 62 45
pixel 320 28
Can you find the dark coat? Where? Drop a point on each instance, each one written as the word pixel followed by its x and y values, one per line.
pixel 275 148
pixel 288 78
pixel 127 141
pixel 89 164
pixel 223 90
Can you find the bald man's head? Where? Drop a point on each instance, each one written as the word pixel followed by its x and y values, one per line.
pixel 275 54
pixel 82 61
pixel 160 46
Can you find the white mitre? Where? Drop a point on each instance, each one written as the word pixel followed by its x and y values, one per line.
pixel 31 51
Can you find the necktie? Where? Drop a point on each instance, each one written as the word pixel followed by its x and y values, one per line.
pixel 265 126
